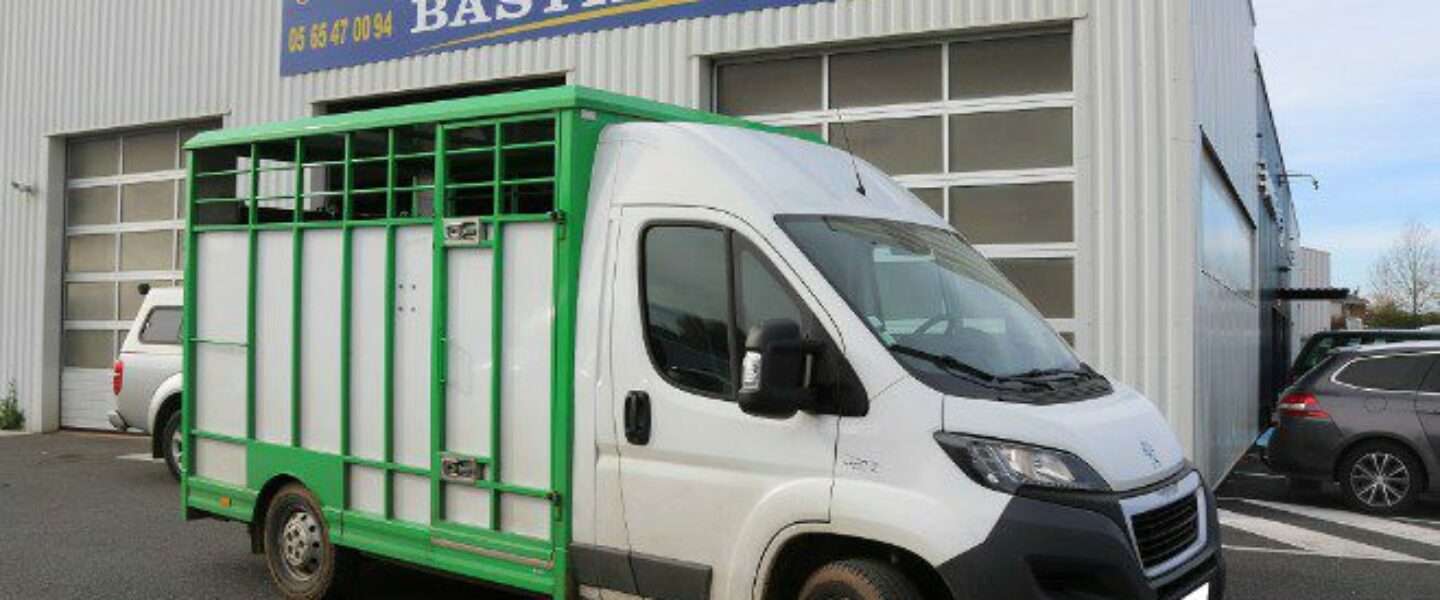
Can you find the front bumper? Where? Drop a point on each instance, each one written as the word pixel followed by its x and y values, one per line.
pixel 116 420
pixel 1067 545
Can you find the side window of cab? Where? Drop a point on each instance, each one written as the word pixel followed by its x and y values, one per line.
pixel 702 288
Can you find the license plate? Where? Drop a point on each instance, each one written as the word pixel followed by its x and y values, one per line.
pixel 1200 593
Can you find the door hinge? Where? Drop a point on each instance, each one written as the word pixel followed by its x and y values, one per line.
pixel 559 217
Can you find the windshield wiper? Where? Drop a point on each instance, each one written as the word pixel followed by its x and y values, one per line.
pixel 955 365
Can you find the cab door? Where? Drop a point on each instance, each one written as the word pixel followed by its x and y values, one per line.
pixel 704 485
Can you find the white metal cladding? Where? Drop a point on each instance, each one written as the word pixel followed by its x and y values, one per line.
pixel 1312 271
pixel 1136 137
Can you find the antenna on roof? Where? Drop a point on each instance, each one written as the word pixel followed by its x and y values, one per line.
pixel 844 130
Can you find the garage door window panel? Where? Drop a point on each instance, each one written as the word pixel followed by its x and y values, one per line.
pixel 90 253
pixel 90 301
pixel 896 146
pixel 996 141
pixel 93 158
pixel 1049 283
pixel 91 206
pixel 148 152
pixel 1010 66
pixel 150 201
pixel 86 349
pixel 770 87
pixel 899 76
pixel 1014 214
pixel 149 251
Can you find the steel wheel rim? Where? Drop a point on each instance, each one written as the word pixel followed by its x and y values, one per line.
pixel 1380 479
pixel 301 545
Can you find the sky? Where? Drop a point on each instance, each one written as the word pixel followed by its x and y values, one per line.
pixel 1355 87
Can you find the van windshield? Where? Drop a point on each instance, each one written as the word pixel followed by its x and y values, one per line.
pixel 934 301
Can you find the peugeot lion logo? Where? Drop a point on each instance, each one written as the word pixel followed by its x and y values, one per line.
pixel 1150 452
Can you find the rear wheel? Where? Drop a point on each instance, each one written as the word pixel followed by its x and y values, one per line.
pixel 302 561
pixel 1381 478
pixel 172 444
pixel 858 579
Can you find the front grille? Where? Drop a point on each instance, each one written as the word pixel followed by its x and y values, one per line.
pixel 1164 532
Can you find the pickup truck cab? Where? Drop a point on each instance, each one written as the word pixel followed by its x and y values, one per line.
pixel 147 380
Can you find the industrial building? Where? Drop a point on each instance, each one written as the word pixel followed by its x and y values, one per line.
pixel 1116 159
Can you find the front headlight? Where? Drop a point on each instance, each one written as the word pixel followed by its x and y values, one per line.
pixel 1006 466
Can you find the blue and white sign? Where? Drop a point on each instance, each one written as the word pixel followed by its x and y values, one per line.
pixel 329 34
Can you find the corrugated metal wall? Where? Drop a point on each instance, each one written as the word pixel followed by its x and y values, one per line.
pixel 1312 270
pixel 1228 338
pixel 74 66
pixel 1135 190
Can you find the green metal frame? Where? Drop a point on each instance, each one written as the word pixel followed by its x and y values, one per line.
pixel 578 116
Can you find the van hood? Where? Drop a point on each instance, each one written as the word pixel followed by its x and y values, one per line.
pixel 1122 435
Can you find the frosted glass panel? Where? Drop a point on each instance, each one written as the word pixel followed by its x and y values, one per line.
pixel 1049 283
pixel 1014 214
pixel 1010 140
pixel 91 206
pixel 886 77
pixel 898 147
pixel 1010 66
pixel 776 86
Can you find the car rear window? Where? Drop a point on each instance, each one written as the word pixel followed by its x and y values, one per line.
pixel 162 326
pixel 1389 373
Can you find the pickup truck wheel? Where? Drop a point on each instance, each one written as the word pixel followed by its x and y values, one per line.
pixel 298 553
pixel 858 579
pixel 172 444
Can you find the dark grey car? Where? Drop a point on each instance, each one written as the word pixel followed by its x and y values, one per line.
pixel 1368 418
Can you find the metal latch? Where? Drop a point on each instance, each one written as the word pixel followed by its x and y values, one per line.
pixel 461 469
pixel 466 232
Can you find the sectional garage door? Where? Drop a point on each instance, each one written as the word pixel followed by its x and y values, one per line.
pixel 122 227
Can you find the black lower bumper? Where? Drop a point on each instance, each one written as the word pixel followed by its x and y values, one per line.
pixel 1304 447
pixel 1048 550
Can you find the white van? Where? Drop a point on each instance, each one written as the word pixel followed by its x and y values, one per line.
pixel 669 355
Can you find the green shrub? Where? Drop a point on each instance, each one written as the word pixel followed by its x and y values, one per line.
pixel 11 417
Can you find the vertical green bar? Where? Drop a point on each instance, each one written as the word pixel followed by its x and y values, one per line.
pixel 438 317
pixel 187 397
pixel 298 248
pixel 251 292
pixel 497 322
pixel 347 284
pixel 571 187
pixel 389 409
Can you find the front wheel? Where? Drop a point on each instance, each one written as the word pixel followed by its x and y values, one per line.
pixel 302 561
pixel 172 444
pixel 1381 478
pixel 858 579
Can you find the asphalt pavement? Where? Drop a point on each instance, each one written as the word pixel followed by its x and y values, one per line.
pixel 91 516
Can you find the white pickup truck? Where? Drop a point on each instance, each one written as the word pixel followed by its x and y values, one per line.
pixel 147 375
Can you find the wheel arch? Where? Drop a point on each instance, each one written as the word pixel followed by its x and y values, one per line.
pixel 802 549
pixel 1384 437
pixel 165 402
pixel 262 505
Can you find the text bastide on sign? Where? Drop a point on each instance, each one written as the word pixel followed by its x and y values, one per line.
pixel 329 34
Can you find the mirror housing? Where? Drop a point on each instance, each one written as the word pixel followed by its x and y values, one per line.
pixel 776 372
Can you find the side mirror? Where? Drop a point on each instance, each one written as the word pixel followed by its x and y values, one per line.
pixel 776 371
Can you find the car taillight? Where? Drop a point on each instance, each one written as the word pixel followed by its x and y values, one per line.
pixel 1302 405
pixel 117 380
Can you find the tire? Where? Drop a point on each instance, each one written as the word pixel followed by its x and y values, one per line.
pixel 858 579
pixel 171 444
pixel 1381 478
pixel 302 562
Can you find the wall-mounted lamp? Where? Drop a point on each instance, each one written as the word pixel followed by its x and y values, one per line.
pixel 24 188
pixel 1286 177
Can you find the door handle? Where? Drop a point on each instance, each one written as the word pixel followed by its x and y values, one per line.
pixel 637 418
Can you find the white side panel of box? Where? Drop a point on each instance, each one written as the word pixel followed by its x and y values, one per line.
pixel 220 370
pixel 412 498
pixel 411 425
pixel 367 344
pixel 471 361
pixel 366 489
pixel 467 505
pixel 220 461
pixel 274 339
pixel 321 261
pixel 224 259
pixel 528 320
